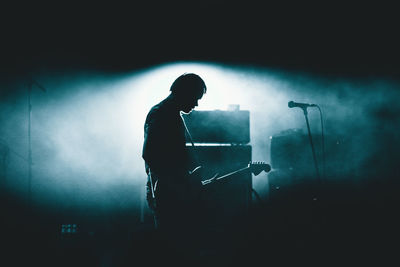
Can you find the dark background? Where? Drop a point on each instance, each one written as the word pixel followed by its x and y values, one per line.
pixel 330 37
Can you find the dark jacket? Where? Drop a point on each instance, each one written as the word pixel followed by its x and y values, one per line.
pixel 165 154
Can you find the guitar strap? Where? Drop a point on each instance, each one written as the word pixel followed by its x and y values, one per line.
pixel 187 131
pixel 196 158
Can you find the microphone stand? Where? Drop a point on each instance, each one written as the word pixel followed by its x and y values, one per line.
pixel 311 142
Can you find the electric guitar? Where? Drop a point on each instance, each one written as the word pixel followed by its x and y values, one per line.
pixel 254 167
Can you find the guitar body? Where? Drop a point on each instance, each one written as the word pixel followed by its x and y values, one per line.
pixel 166 191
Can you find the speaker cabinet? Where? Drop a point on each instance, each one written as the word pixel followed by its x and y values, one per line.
pixel 229 199
pixel 218 126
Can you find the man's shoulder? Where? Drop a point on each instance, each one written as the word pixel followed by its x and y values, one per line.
pixel 159 111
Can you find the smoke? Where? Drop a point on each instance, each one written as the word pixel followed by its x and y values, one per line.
pixel 87 128
pixel 82 136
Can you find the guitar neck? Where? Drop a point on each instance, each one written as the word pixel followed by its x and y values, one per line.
pixel 205 182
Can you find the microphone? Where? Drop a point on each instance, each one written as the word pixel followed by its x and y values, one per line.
pixel 292 104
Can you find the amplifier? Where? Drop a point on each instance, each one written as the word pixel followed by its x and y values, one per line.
pixel 230 199
pixel 217 126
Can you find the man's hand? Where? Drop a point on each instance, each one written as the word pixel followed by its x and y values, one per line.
pixel 211 180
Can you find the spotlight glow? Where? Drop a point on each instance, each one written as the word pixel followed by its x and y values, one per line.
pixel 87 129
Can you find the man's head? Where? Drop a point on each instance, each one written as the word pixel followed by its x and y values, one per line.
pixel 188 89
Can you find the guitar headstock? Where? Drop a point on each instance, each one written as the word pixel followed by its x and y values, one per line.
pixel 257 167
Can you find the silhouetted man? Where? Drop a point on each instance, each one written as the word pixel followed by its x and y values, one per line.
pixel 167 161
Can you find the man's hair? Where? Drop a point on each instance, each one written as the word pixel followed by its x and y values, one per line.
pixel 188 84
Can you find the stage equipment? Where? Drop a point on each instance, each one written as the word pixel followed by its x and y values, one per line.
pixel 220 144
pixel 292 162
pixel 218 126
pixel 231 198
pixel 304 107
